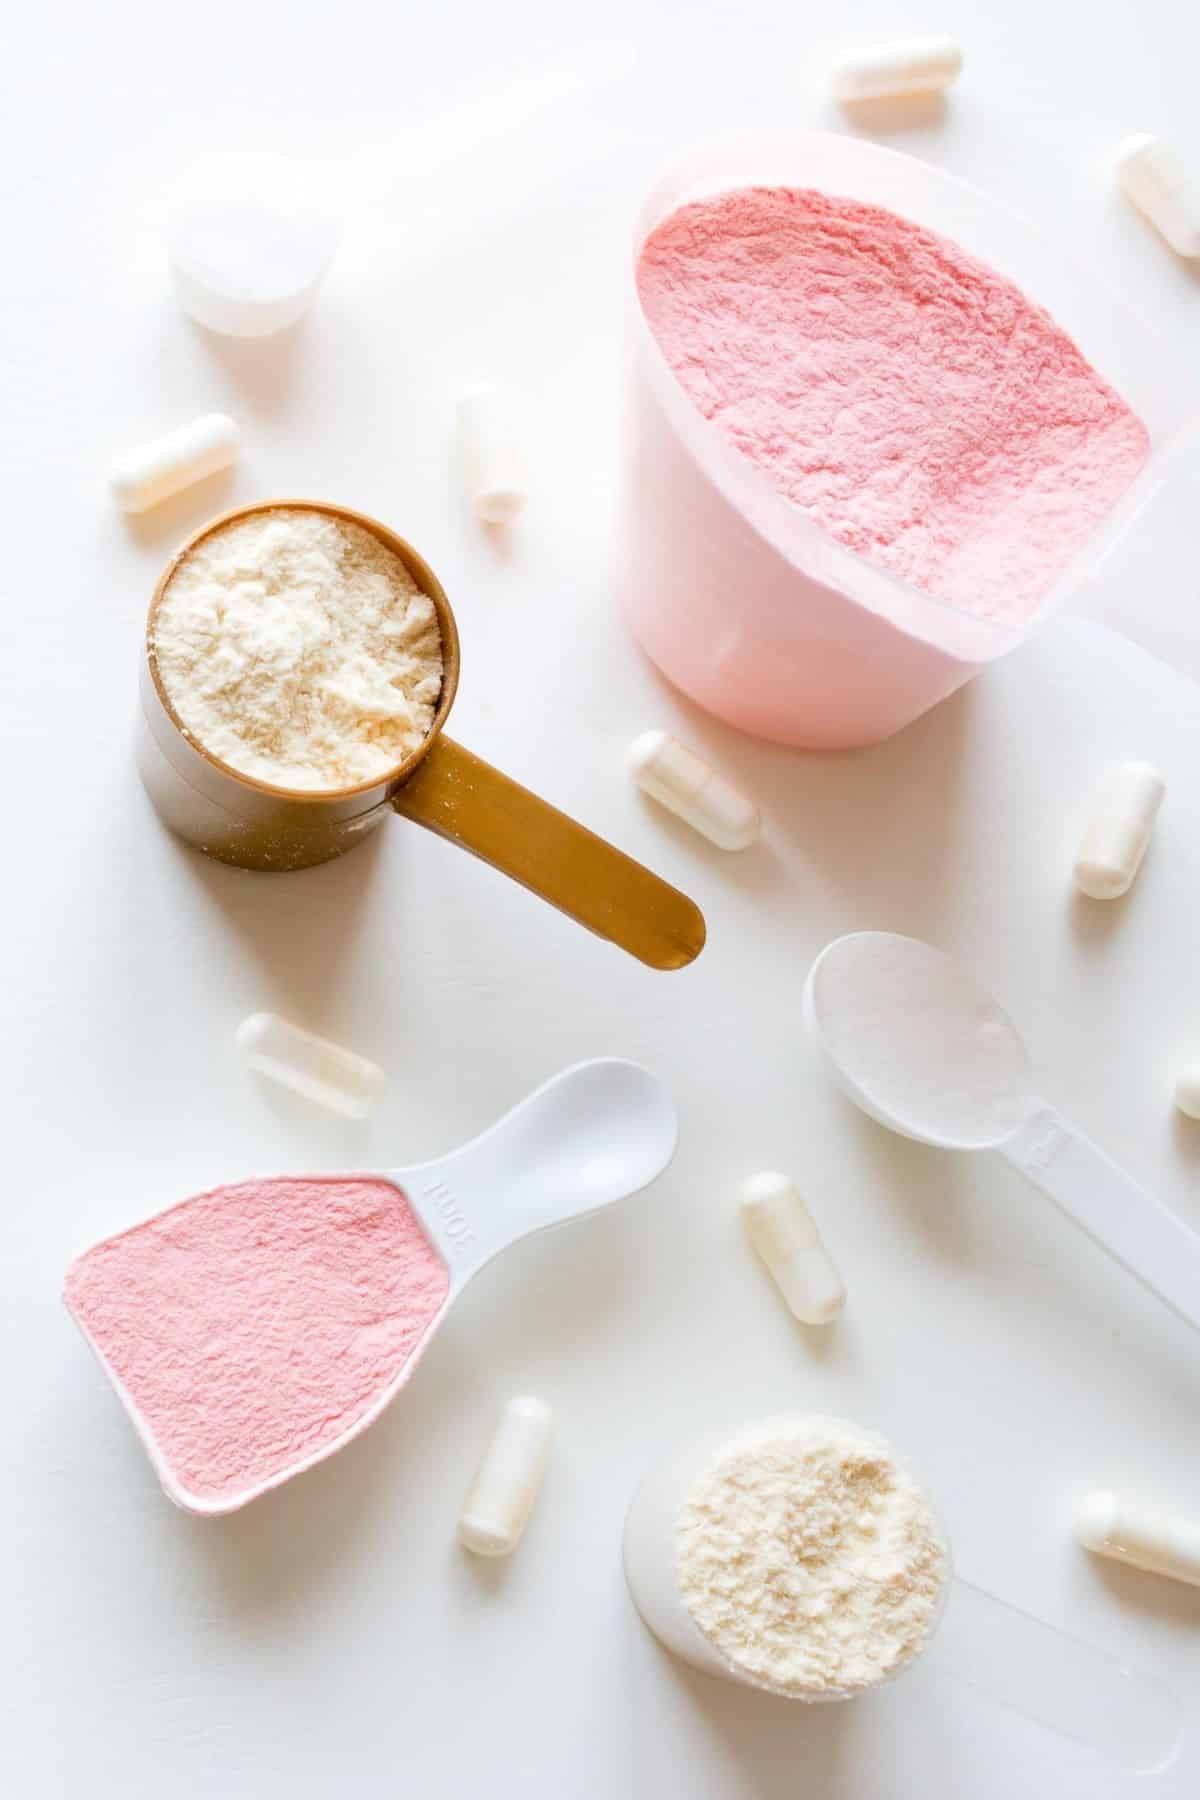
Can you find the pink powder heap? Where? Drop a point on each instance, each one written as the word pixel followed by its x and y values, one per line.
pixel 252 1327
pixel 907 397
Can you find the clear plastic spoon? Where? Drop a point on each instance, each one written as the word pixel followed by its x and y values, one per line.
pixel 1061 1682
pixel 916 1042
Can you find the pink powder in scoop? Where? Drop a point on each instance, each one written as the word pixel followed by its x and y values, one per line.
pixel 909 399
pixel 253 1327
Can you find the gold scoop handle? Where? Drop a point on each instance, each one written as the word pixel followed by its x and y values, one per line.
pixel 464 799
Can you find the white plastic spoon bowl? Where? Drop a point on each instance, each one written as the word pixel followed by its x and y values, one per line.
pixel 596 1133
pixel 916 1042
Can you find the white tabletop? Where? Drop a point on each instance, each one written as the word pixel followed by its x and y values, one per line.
pixel 332 1639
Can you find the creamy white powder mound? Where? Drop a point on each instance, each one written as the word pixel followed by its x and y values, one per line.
pixel 298 649
pixel 810 1558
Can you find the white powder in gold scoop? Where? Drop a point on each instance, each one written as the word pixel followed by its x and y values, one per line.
pixel 810 1558
pixel 298 649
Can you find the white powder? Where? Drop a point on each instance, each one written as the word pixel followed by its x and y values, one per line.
pixel 297 648
pixel 810 1558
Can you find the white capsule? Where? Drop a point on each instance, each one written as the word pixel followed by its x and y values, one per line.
pixel 309 1065
pixel 1187 1091
pixel 501 1497
pixel 1162 1542
pixel 889 70
pixel 690 788
pixel 1115 841
pixel 785 1235
pixel 494 471
pixel 1151 175
pixel 166 465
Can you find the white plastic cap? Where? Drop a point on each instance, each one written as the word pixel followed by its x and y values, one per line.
pixel 250 242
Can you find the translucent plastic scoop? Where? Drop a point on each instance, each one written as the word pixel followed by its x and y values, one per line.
pixel 253 1330
pixel 920 1046
pixel 1069 1686
pixel 979 1641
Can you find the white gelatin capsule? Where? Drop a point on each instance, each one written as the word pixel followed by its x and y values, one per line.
pixel 1151 175
pixel 494 470
pixel 501 1497
pixel 784 1233
pixel 916 65
pixel 1187 1091
pixel 1162 1542
pixel 1115 841
pixel 309 1065
pixel 166 465
pixel 690 788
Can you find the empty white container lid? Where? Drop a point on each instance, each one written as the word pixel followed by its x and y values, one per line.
pixel 250 240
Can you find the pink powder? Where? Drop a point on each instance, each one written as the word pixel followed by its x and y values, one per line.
pixel 253 1327
pixel 908 398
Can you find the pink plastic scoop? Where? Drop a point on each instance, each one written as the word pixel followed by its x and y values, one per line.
pixel 253 1330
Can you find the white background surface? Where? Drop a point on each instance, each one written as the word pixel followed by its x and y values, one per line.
pixel 332 1640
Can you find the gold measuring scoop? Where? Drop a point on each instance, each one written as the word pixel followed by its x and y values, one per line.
pixel 443 787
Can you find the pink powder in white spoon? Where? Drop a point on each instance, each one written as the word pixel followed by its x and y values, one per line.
pixel 908 398
pixel 252 1329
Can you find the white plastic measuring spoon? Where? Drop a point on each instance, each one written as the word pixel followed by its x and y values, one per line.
pixel 979 1641
pixel 594 1134
pixel 926 1051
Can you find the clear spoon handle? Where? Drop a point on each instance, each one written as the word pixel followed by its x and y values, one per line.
pixel 1057 1680
pixel 1146 1239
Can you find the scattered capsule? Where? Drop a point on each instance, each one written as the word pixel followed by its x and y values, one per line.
pixel 501 1497
pixel 309 1065
pixel 494 470
pixel 1187 1091
pixel 784 1233
pixel 153 471
pixel 1153 178
pixel 916 65
pixel 1115 841
pixel 1163 1543
pixel 690 788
